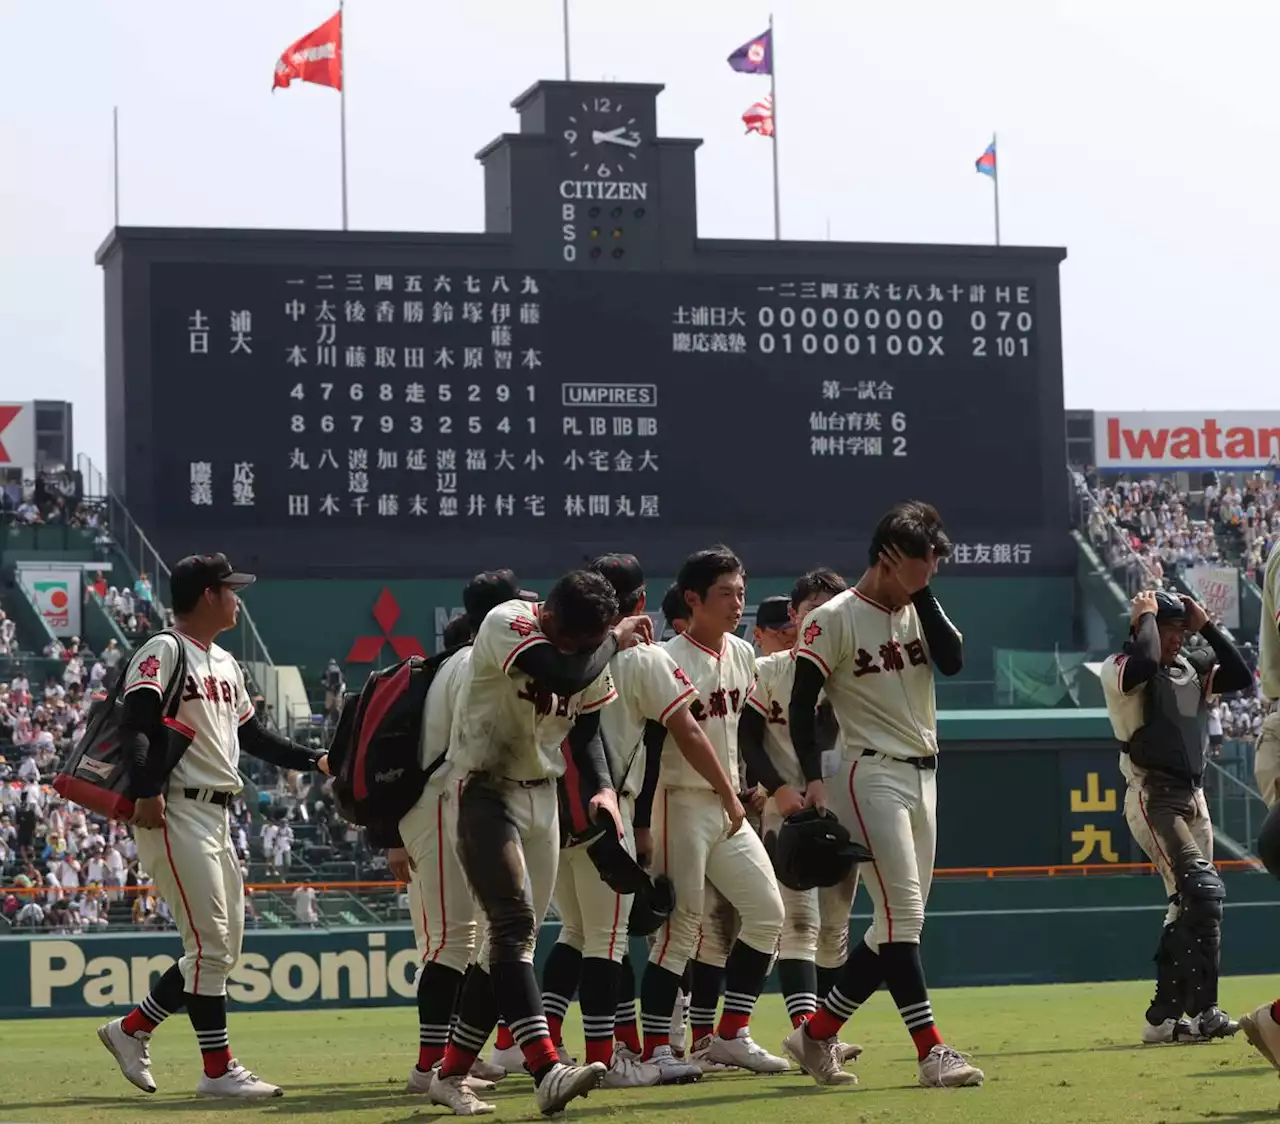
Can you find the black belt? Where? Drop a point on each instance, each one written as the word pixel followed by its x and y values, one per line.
pixel 930 762
pixel 221 799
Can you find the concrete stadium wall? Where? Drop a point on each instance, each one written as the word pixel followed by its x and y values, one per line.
pixel 979 932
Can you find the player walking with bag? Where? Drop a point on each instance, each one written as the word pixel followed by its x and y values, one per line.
pixel 180 821
pixel 874 649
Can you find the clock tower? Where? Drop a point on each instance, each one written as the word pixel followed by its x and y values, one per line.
pixel 587 183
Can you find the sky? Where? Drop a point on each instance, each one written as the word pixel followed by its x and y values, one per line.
pixel 1141 136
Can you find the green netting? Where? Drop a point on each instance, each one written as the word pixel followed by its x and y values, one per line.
pixel 1044 679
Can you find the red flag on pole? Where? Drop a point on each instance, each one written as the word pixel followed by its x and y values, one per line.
pixel 316 57
pixel 759 118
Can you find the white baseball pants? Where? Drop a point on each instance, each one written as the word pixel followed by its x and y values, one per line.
pixel 891 807
pixel 193 862
pixel 692 847
pixel 593 918
pixel 444 913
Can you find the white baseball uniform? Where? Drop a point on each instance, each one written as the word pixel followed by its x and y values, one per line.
pixel 1266 757
pixel 691 844
pixel 651 687
pixel 879 679
pixel 510 729
pixel 1127 717
pixel 817 921
pixel 444 914
pixel 192 857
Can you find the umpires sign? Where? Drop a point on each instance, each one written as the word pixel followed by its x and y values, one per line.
pixel 587 372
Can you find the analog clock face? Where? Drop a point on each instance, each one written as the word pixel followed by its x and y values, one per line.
pixel 602 138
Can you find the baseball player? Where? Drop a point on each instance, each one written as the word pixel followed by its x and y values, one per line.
pixel 180 822
pixel 674 611
pixel 1262 1027
pixel 815 934
pixel 440 900
pixel 1266 755
pixel 775 629
pixel 1158 701
pixel 690 839
pixel 874 649
pixel 720 925
pixel 538 675
pixel 652 688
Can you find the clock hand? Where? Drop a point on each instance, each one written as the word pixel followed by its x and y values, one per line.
pixel 614 136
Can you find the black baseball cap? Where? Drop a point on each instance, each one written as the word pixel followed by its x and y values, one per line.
pixel 674 607
pixel 622 571
pixel 191 576
pixel 772 612
pixel 490 589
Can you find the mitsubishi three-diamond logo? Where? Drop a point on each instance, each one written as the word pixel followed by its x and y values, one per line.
pixel 366 649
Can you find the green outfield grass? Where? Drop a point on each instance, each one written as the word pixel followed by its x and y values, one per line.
pixel 1053 1054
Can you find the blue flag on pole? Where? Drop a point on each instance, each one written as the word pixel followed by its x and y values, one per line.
pixel 755 57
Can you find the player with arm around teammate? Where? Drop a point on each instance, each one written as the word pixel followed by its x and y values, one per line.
pixel 874 650
pixel 652 690
pixel 815 934
pixel 690 838
pixel 180 822
pixel 538 676
pixel 1157 698
pixel 424 856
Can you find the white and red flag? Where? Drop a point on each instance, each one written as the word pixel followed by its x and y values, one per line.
pixel 759 118
pixel 316 57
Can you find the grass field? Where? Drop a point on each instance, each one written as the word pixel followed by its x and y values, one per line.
pixel 1051 1054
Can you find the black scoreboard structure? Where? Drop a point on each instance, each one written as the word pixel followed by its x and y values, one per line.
pixel 587 375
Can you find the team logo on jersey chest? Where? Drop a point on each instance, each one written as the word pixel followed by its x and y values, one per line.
pixel 718 704
pixel 864 663
pixel 812 631
pixel 149 668
pixel 210 689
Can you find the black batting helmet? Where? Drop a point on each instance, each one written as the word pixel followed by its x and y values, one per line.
pixel 1169 606
pixel 814 849
pixel 651 907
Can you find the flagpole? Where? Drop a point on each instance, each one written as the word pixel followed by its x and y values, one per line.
pixel 996 179
pixel 565 22
pixel 342 102
pixel 115 160
pixel 773 99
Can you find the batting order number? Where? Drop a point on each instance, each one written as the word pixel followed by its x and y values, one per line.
pixel 1002 346
pixel 832 342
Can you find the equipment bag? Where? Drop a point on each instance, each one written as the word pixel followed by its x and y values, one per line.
pixel 374 756
pixel 95 774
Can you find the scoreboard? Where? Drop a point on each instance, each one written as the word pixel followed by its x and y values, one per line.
pixel 587 375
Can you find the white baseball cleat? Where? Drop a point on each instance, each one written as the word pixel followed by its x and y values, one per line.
pixel 1262 1032
pixel 565 1083
pixel 673 1070
pixel 482 1070
pixel 850 1052
pixel 630 1073
pixel 456 1094
pixel 1170 1030
pixel 420 1082
pixel 131 1052
pixel 945 1068
pixel 565 1057
pixel 237 1084
pixel 510 1060
pixel 821 1058
pixel 743 1052
pixel 700 1059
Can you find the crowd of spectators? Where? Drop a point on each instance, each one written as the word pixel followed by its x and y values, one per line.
pixel 1249 516
pixel 54 497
